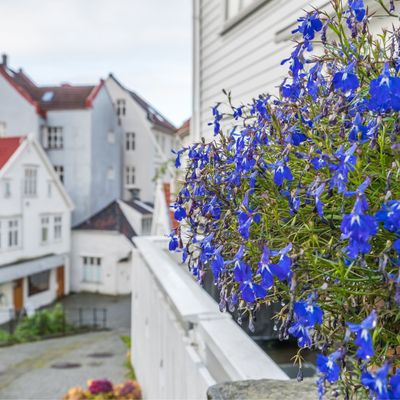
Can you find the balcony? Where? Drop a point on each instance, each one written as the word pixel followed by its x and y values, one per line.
pixel 181 343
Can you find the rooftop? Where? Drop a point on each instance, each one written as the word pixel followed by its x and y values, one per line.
pixel 8 146
pixel 45 98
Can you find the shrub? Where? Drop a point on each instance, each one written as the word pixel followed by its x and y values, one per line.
pixel 297 200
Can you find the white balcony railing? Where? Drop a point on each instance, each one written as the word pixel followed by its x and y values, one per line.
pixel 181 343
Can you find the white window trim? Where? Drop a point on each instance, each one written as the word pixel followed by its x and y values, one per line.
pixel 230 23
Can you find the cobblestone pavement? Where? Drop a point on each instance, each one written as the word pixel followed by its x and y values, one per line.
pixel 31 371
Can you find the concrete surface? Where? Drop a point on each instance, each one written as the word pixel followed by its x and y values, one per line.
pixel 31 371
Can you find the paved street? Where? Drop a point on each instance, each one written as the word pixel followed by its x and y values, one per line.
pixel 37 370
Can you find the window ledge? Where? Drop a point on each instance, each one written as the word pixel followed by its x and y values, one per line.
pixel 242 15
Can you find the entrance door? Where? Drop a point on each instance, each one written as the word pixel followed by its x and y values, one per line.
pixel 60 282
pixel 18 294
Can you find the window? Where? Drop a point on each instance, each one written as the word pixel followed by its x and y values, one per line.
pixel 146 226
pixel 234 7
pixel 162 142
pixel 30 181
pixel 13 233
pixel 91 269
pixel 38 283
pixel 60 172
pixel 44 235
pixel 130 175
pixel 121 107
pixel 7 189
pixel 130 141
pixel 54 138
pixel 57 227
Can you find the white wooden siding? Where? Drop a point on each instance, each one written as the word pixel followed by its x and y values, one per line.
pixel 245 59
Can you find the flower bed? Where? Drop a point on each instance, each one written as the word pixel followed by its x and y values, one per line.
pixel 103 389
pixel 297 201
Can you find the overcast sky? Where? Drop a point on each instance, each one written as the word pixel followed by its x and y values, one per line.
pixel 146 44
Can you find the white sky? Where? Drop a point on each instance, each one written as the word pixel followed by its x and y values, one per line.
pixel 146 44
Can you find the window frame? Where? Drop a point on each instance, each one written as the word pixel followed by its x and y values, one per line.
pixel 229 24
pixel 54 137
pixel 57 228
pixel 91 269
pixel 30 184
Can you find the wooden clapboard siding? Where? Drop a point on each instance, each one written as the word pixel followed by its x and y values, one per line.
pixel 246 59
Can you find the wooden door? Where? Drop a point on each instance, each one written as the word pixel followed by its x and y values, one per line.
pixel 18 294
pixel 60 282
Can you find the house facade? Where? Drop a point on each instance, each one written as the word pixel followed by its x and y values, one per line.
pixel 35 223
pixel 148 138
pixel 238 45
pixel 78 128
pixel 103 249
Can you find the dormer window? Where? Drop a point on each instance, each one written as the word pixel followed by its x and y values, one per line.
pixel 47 96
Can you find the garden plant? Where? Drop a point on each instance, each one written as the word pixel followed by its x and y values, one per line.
pixel 296 201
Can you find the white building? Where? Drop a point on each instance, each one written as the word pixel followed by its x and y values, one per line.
pixel 35 223
pixel 238 45
pixel 77 126
pixel 148 140
pixel 102 247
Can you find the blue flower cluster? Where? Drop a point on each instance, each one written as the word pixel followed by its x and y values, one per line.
pixel 299 200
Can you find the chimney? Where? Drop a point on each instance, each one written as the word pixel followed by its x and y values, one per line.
pixel 5 59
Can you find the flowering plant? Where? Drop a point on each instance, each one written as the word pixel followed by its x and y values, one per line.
pixel 297 200
pixel 103 389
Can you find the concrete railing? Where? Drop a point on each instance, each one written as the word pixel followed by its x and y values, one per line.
pixel 181 343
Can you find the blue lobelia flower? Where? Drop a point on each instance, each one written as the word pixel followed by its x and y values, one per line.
pixel 217 264
pixel 180 212
pixel 173 242
pixel 358 228
pixel 296 137
pixel 347 162
pixel 358 132
pixel 346 80
pixel 318 163
pixel 243 275
pixel 281 269
pixel 178 154
pixel 328 366
pixel 281 173
pixel 319 205
pixel 213 208
pixel 394 391
pixel 385 92
pixel 217 118
pixel 363 336
pixel 376 382
pixel 306 315
pixel 246 218
pixel 291 91
pixel 389 214
pixel 358 7
pixel 309 25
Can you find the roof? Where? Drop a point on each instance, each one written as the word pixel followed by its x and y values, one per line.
pixel 8 146
pixel 110 218
pixel 140 207
pixel 153 115
pixel 45 98
pixel 184 129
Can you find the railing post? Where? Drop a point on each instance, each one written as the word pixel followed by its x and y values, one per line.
pixel 104 318
pixel 80 317
pixel 95 317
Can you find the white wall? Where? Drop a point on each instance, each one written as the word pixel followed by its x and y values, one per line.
pixel 75 157
pixel 180 340
pixel 20 115
pixel 6 302
pixel 147 155
pixel 30 210
pixel 110 247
